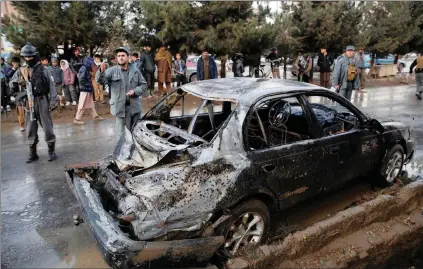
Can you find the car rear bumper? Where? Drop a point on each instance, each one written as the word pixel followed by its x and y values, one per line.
pixel 119 251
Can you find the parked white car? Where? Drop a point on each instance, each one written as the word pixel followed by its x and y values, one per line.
pixel 405 62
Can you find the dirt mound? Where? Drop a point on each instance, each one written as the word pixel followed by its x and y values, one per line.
pixel 352 237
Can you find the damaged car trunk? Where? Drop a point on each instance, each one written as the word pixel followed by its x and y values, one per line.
pixel 160 183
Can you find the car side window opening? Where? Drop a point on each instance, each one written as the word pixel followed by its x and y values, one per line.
pixel 332 117
pixel 192 114
pixel 277 122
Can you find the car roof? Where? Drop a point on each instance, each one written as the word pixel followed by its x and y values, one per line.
pixel 244 90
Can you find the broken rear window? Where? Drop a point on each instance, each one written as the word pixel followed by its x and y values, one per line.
pixel 197 116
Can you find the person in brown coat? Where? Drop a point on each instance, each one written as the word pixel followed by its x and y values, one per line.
pixel 163 61
pixel 98 93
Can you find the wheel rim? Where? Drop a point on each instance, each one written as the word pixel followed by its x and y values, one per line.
pixel 194 78
pixel 394 166
pixel 247 230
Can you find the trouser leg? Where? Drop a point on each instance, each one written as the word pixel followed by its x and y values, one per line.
pixel 419 83
pixel 94 113
pixel 160 87
pixel 326 80
pixel 66 90
pixel 120 125
pixel 168 87
pixel 79 113
pixel 362 78
pixel 96 95
pixel 130 120
pixel 101 91
pixel 32 128
pixel 347 92
pixel 46 121
pixel 73 93
pixel 178 80
pixel 21 115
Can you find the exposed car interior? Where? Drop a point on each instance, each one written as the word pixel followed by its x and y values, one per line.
pixel 332 117
pixel 277 122
pixel 202 118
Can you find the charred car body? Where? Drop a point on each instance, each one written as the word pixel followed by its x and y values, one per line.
pixel 204 170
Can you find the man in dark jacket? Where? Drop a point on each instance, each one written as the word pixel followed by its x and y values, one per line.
pixel 325 62
pixel 238 65
pixel 40 104
pixel 206 67
pixel 74 64
pixel 5 96
pixel 147 67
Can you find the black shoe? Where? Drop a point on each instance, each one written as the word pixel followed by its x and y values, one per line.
pixel 419 96
pixel 51 153
pixel 32 154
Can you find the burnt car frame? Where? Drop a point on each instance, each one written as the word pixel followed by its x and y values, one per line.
pixel 179 189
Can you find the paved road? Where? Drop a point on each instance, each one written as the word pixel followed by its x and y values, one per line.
pixel 37 206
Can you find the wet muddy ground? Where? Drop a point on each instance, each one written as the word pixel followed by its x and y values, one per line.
pixel 37 205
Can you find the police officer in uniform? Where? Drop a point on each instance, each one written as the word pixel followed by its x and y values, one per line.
pixel 44 101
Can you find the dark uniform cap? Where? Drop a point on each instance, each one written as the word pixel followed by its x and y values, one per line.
pixel 28 51
pixel 122 49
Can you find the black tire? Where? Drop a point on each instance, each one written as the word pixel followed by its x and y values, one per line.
pixel 193 77
pixel 400 67
pixel 383 178
pixel 250 206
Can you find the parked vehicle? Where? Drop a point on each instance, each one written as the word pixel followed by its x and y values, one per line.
pixel 387 59
pixel 405 62
pixel 205 169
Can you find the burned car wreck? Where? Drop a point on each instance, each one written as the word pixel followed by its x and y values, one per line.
pixel 202 172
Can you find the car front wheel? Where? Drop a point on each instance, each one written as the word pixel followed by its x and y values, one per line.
pixel 247 227
pixel 391 167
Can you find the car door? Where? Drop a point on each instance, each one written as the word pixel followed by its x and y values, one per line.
pixel 350 150
pixel 290 169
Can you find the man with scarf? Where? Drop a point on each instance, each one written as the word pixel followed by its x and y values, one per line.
pixel 44 100
pixel 164 67
pixel 206 67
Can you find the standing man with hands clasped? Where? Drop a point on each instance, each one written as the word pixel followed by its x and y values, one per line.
pixel 127 85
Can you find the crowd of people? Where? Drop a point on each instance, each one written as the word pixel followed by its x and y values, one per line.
pixel 39 88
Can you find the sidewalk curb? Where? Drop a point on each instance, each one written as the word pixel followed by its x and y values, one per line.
pixel 380 209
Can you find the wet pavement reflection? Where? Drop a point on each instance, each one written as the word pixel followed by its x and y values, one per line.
pixel 37 205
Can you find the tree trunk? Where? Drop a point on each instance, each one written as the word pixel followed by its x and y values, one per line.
pixel 223 67
pixel 284 67
pixel 66 50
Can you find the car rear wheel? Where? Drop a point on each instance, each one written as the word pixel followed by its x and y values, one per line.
pixel 400 67
pixel 391 167
pixel 246 228
pixel 193 78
